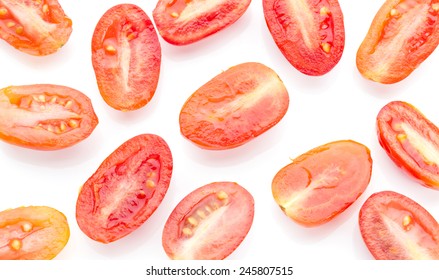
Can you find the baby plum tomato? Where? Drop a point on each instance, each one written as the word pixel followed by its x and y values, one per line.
pixel 411 141
pixel 45 117
pixel 209 223
pixel 32 233
pixel 394 227
pixel 126 57
pixel 126 189
pixel 323 182
pixel 34 27
pixel 234 107
pixel 402 35
pixel 310 34
pixel 182 22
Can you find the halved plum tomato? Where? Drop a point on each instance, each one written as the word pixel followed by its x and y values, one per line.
pixel 402 35
pixel 411 141
pixel 32 233
pixel 126 189
pixel 394 227
pixel 126 57
pixel 44 116
pixel 323 182
pixel 209 223
pixel 310 34
pixel 34 27
pixel 181 22
pixel 234 107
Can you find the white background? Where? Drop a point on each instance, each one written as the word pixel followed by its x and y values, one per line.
pixel 339 105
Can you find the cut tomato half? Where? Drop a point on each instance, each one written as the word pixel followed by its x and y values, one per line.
pixel 126 57
pixel 45 117
pixel 181 22
pixel 394 227
pixel 126 189
pixel 402 35
pixel 234 107
pixel 32 233
pixel 209 223
pixel 310 34
pixel 34 27
pixel 320 184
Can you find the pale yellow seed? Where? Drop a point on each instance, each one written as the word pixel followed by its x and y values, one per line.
pixel 406 222
pixel 401 137
pixel 192 221
pixel 187 231
pixel 151 174
pixel 131 36
pixel 171 2
pixel 326 47
pixel 51 128
pixel 53 100
pixel 150 184
pixel 63 126
pixel 174 14
pixel 435 7
pixel 393 12
pixel 73 124
pixel 201 214
pixel 45 8
pixel 42 98
pixel 68 104
pixel 15 244
pixel 396 126
pixel 10 24
pixel 221 195
pixel 26 227
pixel 110 49
pixel 208 209
pixel 324 11
pixel 3 11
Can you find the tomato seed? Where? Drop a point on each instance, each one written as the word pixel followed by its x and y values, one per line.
pixel 15 244
pixel 3 11
pixel 326 47
pixel 174 15
pixel 192 221
pixel 10 24
pixel 324 11
pixel 26 227
pixel 222 195
pixel 187 231
pixel 201 214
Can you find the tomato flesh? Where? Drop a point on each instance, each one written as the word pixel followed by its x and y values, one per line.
pixel 209 223
pixel 126 57
pixel 126 189
pixel 34 27
pixel 411 141
pixel 310 34
pixel 182 22
pixel 234 107
pixel 32 233
pixel 402 35
pixel 322 183
pixel 394 227
pixel 45 117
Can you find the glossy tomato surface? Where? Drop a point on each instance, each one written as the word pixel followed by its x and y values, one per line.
pixel 310 34
pixel 181 22
pixel 323 182
pixel 234 107
pixel 32 233
pixel 209 223
pixel 126 189
pixel 34 27
pixel 44 116
pixel 411 141
pixel 402 35
pixel 394 227
pixel 126 57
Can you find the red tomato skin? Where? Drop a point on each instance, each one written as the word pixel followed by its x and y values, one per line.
pixel 315 180
pixel 35 42
pixel 24 107
pixel 317 53
pixel 380 241
pixel 205 22
pixel 234 107
pixel 126 29
pixel 106 210
pixel 396 45
pixel 401 152
pixel 32 233
pixel 236 221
